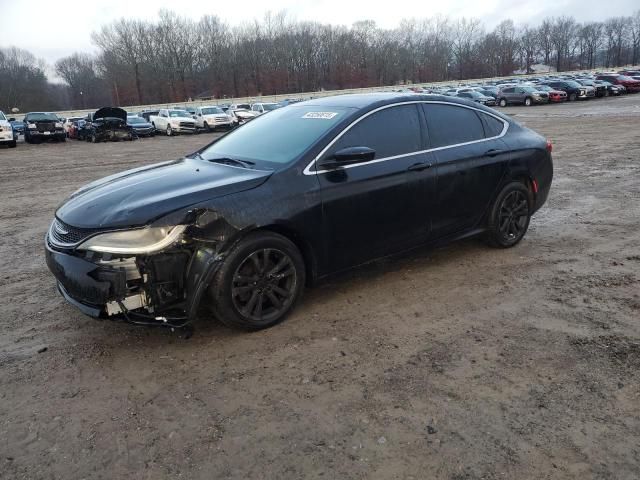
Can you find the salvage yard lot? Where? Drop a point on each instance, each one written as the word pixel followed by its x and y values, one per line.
pixel 459 363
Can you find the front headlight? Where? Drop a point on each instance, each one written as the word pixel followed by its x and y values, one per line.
pixel 31 125
pixel 58 125
pixel 138 241
pixel 175 123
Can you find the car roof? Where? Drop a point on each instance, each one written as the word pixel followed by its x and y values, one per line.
pixel 371 101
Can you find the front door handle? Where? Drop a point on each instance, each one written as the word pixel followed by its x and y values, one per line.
pixel 418 167
pixel 493 152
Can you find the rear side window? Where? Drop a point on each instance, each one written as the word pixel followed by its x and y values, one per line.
pixel 450 125
pixel 492 126
pixel 508 90
pixel 391 131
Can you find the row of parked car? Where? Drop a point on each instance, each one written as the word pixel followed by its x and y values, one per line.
pixel 113 123
pixel 544 89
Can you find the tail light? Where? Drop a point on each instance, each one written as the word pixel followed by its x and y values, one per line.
pixel 549 146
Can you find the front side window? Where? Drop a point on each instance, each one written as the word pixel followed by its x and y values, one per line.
pixel 391 131
pixel 2 117
pixel 451 125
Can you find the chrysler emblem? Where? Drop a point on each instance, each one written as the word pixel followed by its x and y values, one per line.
pixel 60 230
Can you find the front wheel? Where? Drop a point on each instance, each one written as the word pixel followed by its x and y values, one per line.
pixel 12 144
pixel 503 102
pixel 573 97
pixel 527 102
pixel 259 283
pixel 509 216
pixel 169 131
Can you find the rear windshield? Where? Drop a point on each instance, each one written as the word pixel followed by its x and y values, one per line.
pixel 37 117
pixel 278 138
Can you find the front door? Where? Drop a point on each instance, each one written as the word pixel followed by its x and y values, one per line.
pixel 381 206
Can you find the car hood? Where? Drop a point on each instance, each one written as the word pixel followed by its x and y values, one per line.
pixel 110 112
pixel 138 197
pixel 181 119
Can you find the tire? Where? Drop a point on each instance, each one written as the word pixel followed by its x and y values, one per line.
pixel 12 144
pixel 573 97
pixel 509 217
pixel 93 138
pixel 252 304
pixel 606 93
pixel 503 102
pixel 527 102
pixel 207 127
pixel 169 131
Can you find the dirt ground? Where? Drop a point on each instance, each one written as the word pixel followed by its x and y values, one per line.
pixel 460 363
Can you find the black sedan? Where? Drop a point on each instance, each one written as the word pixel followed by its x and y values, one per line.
pixel 243 224
pixel 141 127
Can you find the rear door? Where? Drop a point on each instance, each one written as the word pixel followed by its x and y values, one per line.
pixel 381 206
pixel 471 161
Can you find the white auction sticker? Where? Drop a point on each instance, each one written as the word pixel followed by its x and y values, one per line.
pixel 321 115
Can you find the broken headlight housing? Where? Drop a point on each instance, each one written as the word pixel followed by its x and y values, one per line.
pixel 134 242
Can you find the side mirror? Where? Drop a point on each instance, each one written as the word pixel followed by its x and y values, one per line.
pixel 349 156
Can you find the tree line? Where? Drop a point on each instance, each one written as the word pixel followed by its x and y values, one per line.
pixel 174 58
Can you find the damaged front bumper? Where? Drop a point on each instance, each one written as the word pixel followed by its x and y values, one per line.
pixel 163 289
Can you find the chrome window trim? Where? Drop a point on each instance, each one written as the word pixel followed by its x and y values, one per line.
pixel 308 170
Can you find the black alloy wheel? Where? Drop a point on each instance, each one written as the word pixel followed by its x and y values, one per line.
pixel 510 216
pixel 264 285
pixel 259 283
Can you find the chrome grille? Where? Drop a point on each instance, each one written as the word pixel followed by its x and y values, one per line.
pixel 187 124
pixel 64 235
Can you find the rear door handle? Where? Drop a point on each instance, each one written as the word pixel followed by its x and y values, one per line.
pixel 418 167
pixel 493 152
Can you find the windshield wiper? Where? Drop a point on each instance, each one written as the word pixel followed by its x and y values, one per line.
pixel 231 161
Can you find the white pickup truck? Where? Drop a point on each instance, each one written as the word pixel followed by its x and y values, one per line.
pixel 212 118
pixel 6 132
pixel 172 121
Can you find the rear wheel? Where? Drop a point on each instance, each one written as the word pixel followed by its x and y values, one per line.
pixel 503 102
pixel 509 216
pixel 12 144
pixel 259 283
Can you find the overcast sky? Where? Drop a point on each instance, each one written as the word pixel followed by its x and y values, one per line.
pixel 51 33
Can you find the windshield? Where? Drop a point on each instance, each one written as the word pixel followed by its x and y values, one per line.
pixel 179 113
pixel 277 138
pixel 243 106
pixel 572 83
pixel 37 117
pixel 211 110
pixel 2 117
pixel 543 88
pixel 136 120
pixel 269 106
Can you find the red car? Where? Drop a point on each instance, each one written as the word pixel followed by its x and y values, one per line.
pixel 555 96
pixel 629 83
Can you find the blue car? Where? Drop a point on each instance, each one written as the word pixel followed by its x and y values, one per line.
pixel 18 127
